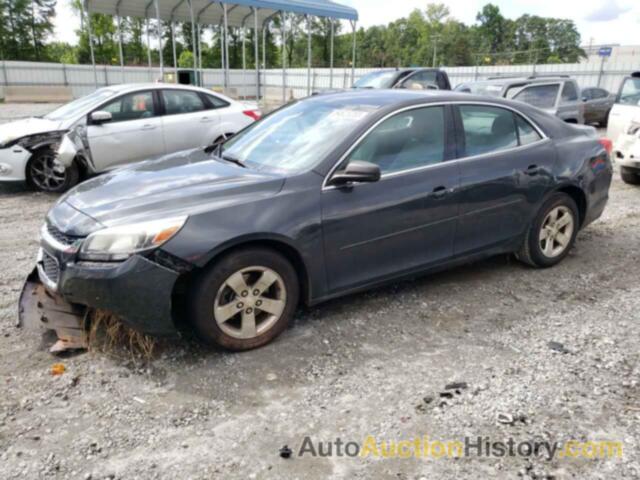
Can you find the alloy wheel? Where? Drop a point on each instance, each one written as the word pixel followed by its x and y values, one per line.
pixel 46 172
pixel 250 302
pixel 556 232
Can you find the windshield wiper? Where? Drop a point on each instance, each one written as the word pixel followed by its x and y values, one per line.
pixel 230 158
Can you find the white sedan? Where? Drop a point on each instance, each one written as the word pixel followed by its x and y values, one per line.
pixel 117 125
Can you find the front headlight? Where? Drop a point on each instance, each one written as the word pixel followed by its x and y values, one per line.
pixel 119 243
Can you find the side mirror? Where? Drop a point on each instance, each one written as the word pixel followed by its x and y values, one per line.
pixel 357 171
pixel 585 99
pixel 99 117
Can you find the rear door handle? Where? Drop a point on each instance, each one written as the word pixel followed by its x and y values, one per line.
pixel 532 170
pixel 205 119
pixel 439 192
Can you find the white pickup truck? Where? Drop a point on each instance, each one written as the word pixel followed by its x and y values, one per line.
pixel 624 129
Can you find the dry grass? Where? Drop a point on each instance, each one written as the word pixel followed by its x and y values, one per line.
pixel 108 334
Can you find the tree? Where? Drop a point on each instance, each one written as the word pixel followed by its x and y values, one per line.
pixel 25 27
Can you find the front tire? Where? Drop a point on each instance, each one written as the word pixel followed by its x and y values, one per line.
pixel 244 300
pixel 632 177
pixel 552 233
pixel 45 174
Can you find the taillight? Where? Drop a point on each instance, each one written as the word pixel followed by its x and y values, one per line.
pixel 607 144
pixel 255 114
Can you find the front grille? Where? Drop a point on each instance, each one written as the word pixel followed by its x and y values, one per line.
pixel 61 237
pixel 50 267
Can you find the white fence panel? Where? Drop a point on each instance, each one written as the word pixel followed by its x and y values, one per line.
pixel 82 80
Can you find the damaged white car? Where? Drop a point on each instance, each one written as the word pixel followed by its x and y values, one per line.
pixel 624 129
pixel 116 125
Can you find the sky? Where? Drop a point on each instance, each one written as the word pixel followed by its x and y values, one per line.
pixel 598 21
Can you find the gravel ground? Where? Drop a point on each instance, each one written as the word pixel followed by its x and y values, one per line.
pixel 369 364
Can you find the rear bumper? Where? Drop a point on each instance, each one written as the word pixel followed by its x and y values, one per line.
pixel 137 290
pixel 13 163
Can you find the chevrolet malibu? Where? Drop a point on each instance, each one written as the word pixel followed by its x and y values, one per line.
pixel 325 197
pixel 116 125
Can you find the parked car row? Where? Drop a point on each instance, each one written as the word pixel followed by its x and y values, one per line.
pixel 115 126
pixel 327 196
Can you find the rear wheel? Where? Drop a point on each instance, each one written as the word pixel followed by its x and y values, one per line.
pixel 245 300
pixel 46 174
pixel 632 177
pixel 552 233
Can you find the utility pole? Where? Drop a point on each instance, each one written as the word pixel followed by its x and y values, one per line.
pixel 435 48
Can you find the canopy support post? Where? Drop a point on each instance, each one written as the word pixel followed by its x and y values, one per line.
pixel 120 47
pixel 160 46
pixel 226 48
pixel 199 70
pixel 308 55
pixel 173 37
pixel 256 48
pixel 284 57
pixel 353 55
pixel 244 55
pixel 173 48
pixel 331 54
pixel 85 6
pixel 193 40
pixel 222 53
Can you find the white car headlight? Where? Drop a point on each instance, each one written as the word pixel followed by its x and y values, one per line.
pixel 119 243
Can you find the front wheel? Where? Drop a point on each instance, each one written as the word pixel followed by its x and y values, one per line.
pixel 46 174
pixel 552 233
pixel 245 300
pixel 632 177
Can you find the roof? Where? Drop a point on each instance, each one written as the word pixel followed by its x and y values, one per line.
pixel 209 12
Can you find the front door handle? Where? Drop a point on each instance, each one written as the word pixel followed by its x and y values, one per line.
pixel 439 192
pixel 148 127
pixel 532 170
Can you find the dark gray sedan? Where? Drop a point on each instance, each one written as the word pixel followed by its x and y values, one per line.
pixel 325 197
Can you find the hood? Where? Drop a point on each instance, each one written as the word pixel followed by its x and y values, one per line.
pixel 185 183
pixel 23 128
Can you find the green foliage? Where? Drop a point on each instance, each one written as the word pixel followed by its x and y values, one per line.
pixel 186 59
pixel 25 26
pixel 422 38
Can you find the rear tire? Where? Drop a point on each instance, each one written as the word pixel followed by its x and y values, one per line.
pixel 46 175
pixel 228 305
pixel 632 177
pixel 552 233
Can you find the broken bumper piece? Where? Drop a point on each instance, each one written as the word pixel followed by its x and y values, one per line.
pixel 40 309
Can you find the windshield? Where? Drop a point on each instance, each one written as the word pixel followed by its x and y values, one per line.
pixel 295 138
pixel 485 89
pixel 376 80
pixel 630 93
pixel 78 106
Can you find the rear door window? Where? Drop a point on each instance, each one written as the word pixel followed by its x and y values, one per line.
pixel 182 101
pixel 541 96
pixel 487 129
pixel 526 133
pixel 569 93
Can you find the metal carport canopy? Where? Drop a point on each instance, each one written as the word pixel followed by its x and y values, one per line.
pixel 211 12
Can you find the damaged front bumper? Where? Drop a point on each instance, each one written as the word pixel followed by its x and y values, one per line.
pixel 59 292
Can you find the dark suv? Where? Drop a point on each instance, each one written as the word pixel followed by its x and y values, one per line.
pixel 558 95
